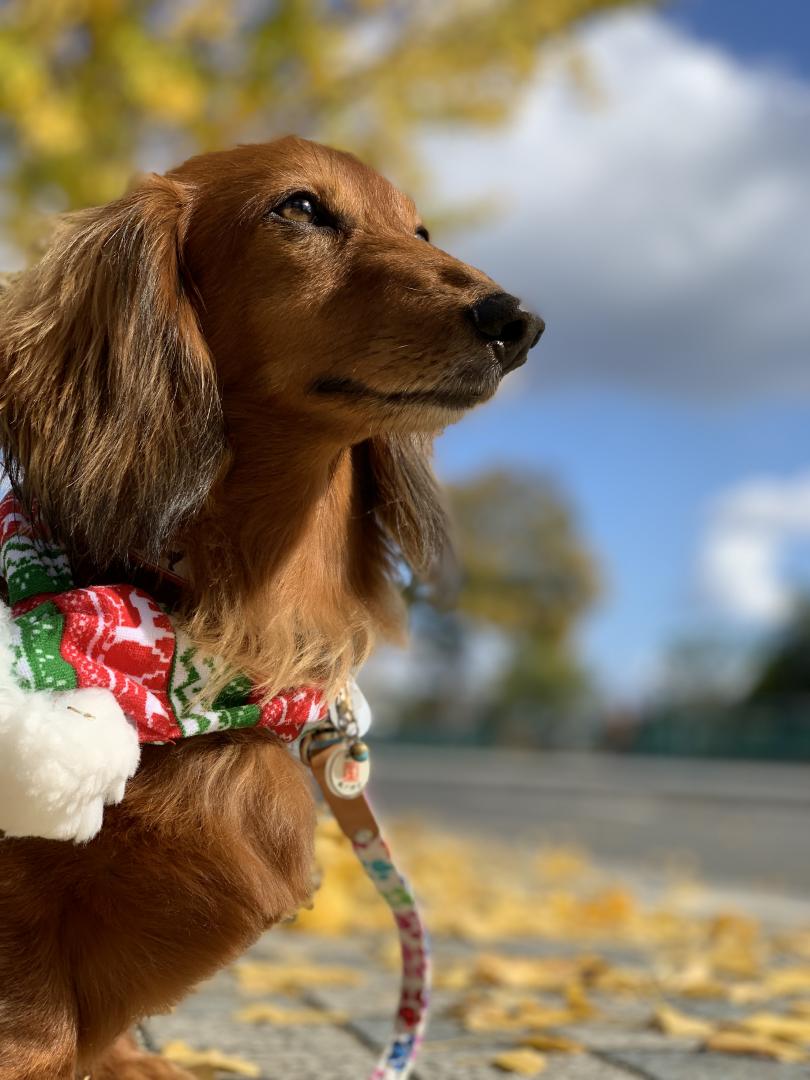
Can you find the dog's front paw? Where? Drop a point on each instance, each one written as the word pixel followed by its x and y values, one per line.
pixel 124 1060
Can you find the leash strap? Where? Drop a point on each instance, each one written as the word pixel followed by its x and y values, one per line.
pixel 356 819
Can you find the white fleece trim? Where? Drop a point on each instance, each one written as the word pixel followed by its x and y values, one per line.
pixel 64 754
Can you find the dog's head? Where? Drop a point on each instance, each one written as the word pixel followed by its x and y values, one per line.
pixel 321 291
pixel 164 336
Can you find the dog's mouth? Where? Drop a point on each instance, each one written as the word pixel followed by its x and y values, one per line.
pixel 461 395
pixel 462 389
pixel 442 396
pixel 509 362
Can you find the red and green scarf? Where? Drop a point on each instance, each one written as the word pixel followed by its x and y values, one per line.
pixel 120 639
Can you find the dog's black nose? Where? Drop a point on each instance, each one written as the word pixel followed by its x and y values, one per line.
pixel 500 319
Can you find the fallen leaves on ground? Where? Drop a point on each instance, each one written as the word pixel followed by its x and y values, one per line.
pixel 484 1014
pixel 558 1044
pixel 673 1022
pixel 606 943
pixel 739 1042
pixel 523 1062
pixel 266 1012
pixel 258 978
pixel 790 1028
pixel 206 1064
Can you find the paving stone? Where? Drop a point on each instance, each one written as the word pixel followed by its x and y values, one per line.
pixel 376 996
pixel 376 1031
pixel 581 1067
pixel 286 946
pixel 604 1037
pixel 454 1064
pixel 620 1043
pixel 282 1053
pixel 304 1066
pixel 675 1065
pixel 622 1010
pixel 618 956
pixel 717 1009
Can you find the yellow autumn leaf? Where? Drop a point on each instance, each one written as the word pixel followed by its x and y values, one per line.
pixel 503 1012
pixel 455 977
pixel 695 980
pixel 623 980
pixel 484 1018
pixel 258 978
pixel 558 1044
pixel 541 1016
pixel 790 1028
pixel 788 981
pixel 738 1042
pixel 748 993
pixel 523 1062
pixel 206 1063
pixel 561 864
pixel 673 1022
pixel 265 1012
pixel 795 942
pixel 577 1001
pixel 529 973
pixel 609 908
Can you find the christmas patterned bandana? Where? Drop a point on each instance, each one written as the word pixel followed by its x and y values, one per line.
pixel 119 638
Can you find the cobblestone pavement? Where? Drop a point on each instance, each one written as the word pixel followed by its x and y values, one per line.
pixel 618 1045
pixel 616 1037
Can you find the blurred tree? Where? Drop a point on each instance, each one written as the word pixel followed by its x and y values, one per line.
pixel 526 574
pixel 703 670
pixel 784 670
pixel 526 569
pixel 90 89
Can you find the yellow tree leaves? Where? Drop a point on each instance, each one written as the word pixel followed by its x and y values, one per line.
pixel 92 89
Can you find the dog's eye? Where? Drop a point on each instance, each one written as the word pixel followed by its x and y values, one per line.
pixel 301 207
pixel 423 234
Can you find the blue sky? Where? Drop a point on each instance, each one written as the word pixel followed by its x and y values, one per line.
pixel 673 385
pixel 760 31
pixel 641 473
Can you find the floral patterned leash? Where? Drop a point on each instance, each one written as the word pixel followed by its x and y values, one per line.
pixel 339 761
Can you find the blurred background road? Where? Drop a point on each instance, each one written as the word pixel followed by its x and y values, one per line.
pixel 745 823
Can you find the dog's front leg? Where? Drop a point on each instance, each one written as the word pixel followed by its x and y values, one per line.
pixel 125 1060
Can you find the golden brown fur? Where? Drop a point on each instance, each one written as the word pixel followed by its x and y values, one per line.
pixel 188 367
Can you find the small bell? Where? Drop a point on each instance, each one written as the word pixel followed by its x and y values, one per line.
pixel 358 751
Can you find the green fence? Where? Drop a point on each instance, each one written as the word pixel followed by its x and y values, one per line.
pixel 779 730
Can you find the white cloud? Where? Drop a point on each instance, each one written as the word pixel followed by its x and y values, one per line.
pixel 751 527
pixel 663 231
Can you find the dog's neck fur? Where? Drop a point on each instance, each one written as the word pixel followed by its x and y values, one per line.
pixel 296 589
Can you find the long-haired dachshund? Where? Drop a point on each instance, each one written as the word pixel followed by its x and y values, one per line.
pixel 245 359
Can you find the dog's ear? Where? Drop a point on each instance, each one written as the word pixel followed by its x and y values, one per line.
pixel 408 502
pixel 111 419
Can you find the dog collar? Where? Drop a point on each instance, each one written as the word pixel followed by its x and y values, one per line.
pixel 120 639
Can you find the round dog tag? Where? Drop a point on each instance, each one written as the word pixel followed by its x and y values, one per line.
pixel 345 775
